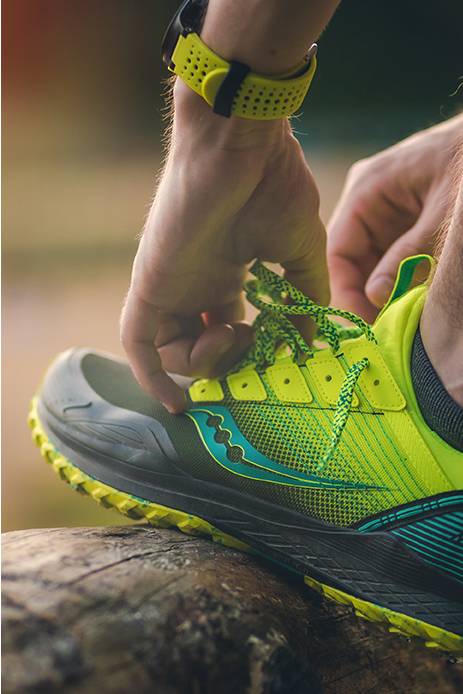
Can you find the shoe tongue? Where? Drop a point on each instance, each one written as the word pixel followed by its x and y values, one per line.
pixel 398 321
pixel 404 278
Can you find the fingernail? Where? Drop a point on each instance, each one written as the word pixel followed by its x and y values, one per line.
pixel 175 409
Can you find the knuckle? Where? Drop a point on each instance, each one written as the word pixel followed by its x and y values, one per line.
pixel 367 172
pixel 360 205
pixel 359 169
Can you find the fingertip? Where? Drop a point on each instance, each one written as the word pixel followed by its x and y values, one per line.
pixel 378 290
pixel 175 408
pixel 166 391
pixel 176 404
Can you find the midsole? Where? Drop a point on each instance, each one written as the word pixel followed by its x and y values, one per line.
pixel 375 566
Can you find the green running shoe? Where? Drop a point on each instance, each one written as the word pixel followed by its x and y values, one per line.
pixel 316 458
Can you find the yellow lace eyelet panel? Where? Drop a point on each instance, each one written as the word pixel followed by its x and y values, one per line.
pixel 246 385
pixel 207 390
pixel 376 381
pixel 288 383
pixel 328 375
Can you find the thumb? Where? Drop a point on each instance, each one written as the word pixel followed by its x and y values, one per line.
pixel 381 281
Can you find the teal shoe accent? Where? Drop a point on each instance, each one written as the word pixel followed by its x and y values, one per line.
pixel 230 449
pixel 396 517
pixel 438 540
pixel 432 528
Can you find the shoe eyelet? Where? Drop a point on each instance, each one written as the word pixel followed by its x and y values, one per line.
pixel 328 378
pixel 244 385
pixel 376 382
pixel 286 381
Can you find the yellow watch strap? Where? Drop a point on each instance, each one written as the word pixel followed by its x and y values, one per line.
pixel 250 95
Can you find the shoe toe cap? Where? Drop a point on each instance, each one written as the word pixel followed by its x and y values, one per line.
pixel 91 401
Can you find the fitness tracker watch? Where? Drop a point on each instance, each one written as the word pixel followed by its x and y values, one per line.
pixel 230 87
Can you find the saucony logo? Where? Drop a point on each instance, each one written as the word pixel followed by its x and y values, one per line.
pixel 232 450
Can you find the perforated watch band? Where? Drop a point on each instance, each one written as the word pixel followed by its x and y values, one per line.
pixel 232 89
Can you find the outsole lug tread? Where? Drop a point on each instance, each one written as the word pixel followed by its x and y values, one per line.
pixel 161 516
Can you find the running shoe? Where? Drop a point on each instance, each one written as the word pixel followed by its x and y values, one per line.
pixel 315 457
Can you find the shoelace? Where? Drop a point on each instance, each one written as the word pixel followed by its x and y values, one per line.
pixel 276 298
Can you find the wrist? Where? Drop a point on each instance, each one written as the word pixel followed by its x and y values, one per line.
pixel 270 36
pixel 195 123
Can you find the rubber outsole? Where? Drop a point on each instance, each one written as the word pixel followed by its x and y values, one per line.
pixel 164 517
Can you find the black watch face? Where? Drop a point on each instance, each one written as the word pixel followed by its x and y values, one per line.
pixel 189 17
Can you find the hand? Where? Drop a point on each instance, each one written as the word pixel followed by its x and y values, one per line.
pixel 392 206
pixel 232 190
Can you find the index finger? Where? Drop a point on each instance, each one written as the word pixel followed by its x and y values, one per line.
pixel 352 256
pixel 139 325
pixel 348 286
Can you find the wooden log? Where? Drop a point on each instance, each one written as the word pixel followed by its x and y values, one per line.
pixel 96 610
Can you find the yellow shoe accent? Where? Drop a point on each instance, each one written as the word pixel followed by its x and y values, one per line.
pixel 287 381
pixel 246 385
pixel 433 637
pixel 206 389
pixel 327 374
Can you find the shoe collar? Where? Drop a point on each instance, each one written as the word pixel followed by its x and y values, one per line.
pixel 396 325
pixel 395 329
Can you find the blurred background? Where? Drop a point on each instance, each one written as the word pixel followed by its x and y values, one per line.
pixel 82 124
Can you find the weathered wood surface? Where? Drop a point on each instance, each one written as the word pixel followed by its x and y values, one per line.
pixel 96 610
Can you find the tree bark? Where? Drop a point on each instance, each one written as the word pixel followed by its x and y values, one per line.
pixel 96 610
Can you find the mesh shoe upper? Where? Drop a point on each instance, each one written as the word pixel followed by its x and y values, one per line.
pixel 381 459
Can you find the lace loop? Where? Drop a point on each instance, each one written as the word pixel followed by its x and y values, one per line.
pixel 273 327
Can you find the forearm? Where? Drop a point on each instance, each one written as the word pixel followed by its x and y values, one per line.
pixel 233 189
pixel 271 36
